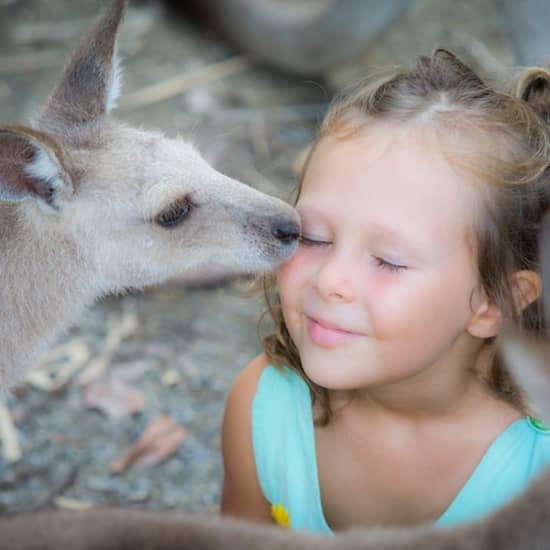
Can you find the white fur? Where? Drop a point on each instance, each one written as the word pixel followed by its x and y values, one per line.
pixel 44 168
pixel 115 84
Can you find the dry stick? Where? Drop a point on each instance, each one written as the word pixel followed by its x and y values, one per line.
pixel 174 86
pixel 119 328
pixel 10 446
pixel 50 375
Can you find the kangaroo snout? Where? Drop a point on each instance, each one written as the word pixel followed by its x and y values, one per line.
pixel 285 230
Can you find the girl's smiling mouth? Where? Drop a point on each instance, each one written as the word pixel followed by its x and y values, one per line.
pixel 326 335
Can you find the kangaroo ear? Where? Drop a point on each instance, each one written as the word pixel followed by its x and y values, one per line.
pixel 90 84
pixel 31 167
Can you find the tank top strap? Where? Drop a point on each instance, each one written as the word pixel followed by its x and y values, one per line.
pixel 284 449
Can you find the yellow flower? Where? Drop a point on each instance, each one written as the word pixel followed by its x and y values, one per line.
pixel 280 515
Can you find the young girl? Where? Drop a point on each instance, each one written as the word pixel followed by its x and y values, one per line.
pixel 379 398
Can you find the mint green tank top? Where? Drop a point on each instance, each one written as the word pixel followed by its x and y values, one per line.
pixel 284 451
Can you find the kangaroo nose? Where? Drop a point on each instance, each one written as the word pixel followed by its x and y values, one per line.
pixel 285 230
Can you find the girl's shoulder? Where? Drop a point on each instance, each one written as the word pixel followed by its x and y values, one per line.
pixel 241 495
pixel 239 400
pixel 260 375
pixel 261 398
pixel 259 381
pixel 246 382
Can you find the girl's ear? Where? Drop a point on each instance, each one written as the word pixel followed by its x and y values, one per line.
pixel 526 288
pixel 486 320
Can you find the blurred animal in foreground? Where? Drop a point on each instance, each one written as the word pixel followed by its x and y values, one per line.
pixel 64 206
pixel 90 207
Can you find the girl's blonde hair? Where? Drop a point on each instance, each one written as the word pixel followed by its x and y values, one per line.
pixel 511 131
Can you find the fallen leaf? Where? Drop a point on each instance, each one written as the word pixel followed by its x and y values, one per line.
pixel 161 437
pixel 113 397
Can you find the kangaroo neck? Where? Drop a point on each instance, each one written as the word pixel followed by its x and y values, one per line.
pixel 44 285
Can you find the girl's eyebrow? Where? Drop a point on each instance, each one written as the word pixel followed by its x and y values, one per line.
pixel 388 234
pixel 309 210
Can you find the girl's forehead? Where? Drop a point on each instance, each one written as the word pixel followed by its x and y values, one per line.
pixel 388 175
pixel 407 161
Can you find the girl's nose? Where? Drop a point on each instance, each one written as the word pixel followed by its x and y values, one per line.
pixel 334 281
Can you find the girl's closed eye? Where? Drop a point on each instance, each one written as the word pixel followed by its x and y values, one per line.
pixel 313 241
pixel 384 264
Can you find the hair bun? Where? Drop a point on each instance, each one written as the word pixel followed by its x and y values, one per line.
pixel 533 86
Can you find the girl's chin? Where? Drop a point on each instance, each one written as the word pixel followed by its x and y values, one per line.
pixel 332 378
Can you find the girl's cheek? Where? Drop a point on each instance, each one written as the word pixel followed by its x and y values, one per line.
pixel 292 277
pixel 383 284
pixel 391 297
pixel 286 278
pixel 287 268
pixel 289 284
pixel 295 267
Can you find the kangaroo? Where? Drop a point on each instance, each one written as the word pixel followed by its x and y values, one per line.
pixel 90 206
pixel 52 165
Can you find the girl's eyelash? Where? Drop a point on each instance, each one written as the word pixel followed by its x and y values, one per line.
pixel 380 262
pixel 307 241
pixel 387 265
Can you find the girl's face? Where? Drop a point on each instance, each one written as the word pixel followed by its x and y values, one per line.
pixel 383 285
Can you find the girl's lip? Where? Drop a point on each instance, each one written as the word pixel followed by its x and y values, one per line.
pixel 326 335
pixel 328 325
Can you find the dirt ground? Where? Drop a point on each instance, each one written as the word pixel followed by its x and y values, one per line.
pixel 174 351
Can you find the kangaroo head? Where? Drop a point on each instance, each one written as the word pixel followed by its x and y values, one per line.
pixel 133 206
